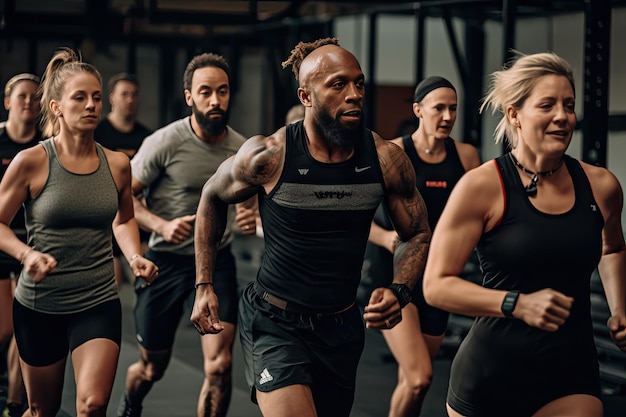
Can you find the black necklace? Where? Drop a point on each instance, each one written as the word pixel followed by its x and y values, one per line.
pixel 531 189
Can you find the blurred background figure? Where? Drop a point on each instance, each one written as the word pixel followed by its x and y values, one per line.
pixel 120 131
pixel 20 131
pixel 294 114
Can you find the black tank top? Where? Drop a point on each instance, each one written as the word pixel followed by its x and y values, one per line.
pixel 501 361
pixel 530 250
pixel 316 222
pixel 8 150
pixel 435 181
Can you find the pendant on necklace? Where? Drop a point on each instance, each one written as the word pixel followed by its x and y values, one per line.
pixel 531 189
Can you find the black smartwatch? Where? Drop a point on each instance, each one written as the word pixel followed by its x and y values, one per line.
pixel 402 292
pixel 509 302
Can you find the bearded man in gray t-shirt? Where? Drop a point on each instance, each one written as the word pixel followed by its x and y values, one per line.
pixel 169 171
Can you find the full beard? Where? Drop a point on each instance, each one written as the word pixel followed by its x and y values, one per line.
pixel 335 133
pixel 212 126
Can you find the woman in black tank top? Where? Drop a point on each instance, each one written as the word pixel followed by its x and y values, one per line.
pixel 541 222
pixel 439 162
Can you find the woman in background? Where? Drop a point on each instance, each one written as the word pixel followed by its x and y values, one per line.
pixel 19 132
pixel 439 162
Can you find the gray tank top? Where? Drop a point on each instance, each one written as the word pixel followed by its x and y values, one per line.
pixel 71 220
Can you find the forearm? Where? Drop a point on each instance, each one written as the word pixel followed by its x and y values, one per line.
pixel 146 219
pixel 11 244
pixel 209 229
pixel 612 270
pixel 377 235
pixel 127 237
pixel 476 300
pixel 409 260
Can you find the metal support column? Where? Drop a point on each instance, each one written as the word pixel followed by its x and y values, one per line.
pixel 597 51
pixel 473 88
pixel 508 29
pixel 167 61
pixel 420 17
pixel 459 57
pixel 370 96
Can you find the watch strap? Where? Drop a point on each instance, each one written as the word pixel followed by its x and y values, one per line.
pixel 509 302
pixel 402 292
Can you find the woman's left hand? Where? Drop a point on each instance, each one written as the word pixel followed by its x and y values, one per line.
pixel 144 268
pixel 37 264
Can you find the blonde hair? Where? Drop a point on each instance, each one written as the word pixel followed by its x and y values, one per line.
pixel 512 86
pixel 64 63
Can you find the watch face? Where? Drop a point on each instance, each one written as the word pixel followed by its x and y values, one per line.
pixel 403 293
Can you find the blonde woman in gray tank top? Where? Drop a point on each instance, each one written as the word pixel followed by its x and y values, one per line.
pixel 76 196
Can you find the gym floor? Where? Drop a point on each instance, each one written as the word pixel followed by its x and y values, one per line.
pixel 176 394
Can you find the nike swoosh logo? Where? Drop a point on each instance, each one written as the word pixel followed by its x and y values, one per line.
pixel 357 169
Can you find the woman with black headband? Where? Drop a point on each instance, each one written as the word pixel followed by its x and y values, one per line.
pixel 439 161
pixel 541 222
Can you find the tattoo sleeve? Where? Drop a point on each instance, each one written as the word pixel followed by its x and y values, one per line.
pixel 409 216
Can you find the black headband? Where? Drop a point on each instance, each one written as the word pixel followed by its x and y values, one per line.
pixel 429 84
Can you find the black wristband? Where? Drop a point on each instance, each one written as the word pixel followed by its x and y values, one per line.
pixel 402 292
pixel 509 302
pixel 199 284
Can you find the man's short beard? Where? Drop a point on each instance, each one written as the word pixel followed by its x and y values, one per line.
pixel 335 133
pixel 212 126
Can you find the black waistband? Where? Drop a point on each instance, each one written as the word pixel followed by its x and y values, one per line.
pixel 291 306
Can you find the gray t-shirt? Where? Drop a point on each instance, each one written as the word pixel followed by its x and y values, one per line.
pixel 174 164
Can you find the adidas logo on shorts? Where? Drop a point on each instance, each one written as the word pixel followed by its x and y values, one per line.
pixel 265 377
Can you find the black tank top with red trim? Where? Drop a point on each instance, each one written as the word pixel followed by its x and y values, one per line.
pixel 506 361
pixel 435 181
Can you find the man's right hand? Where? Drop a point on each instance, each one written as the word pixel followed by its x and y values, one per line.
pixel 204 315
pixel 178 229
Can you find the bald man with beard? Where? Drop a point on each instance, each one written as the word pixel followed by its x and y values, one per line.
pixel 318 182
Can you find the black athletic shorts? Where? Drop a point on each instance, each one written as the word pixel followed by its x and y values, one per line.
pixel 506 368
pixel 44 338
pixel 9 266
pixel 159 307
pixel 433 320
pixel 282 348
